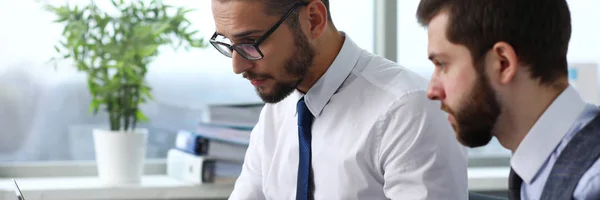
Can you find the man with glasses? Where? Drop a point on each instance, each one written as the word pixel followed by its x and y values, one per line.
pixel 339 122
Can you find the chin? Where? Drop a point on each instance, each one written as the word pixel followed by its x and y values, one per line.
pixel 455 128
pixel 264 91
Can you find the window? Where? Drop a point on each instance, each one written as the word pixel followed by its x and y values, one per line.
pixel 45 111
pixel 412 49
pixel 412 39
pixel 355 17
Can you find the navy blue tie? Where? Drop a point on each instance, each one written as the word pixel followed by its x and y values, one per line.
pixel 305 119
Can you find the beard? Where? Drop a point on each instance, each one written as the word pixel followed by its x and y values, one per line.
pixel 296 66
pixel 477 114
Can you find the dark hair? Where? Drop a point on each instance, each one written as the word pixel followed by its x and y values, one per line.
pixel 538 30
pixel 280 7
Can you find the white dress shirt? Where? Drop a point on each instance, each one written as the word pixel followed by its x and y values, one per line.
pixel 375 135
pixel 537 153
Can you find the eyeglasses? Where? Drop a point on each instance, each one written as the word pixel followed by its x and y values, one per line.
pixel 250 51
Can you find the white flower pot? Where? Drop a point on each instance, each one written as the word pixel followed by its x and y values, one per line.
pixel 120 155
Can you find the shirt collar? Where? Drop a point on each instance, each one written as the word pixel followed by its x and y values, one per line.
pixel 546 134
pixel 321 92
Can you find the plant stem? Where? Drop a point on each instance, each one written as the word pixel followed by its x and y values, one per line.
pixel 135 103
pixel 126 116
pixel 113 116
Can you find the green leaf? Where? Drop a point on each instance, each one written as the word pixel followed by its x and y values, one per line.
pixel 193 33
pixel 147 50
pixel 112 86
pixel 93 86
pixel 188 10
pixel 198 43
pixel 95 105
pixel 132 77
pixel 114 3
pixel 147 92
pixel 82 66
pixel 140 116
pixel 159 28
pixel 61 19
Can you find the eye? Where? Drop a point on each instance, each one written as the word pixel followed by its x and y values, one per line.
pixel 249 40
pixel 439 64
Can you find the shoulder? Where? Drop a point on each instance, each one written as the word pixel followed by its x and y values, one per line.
pixel 589 184
pixel 592 172
pixel 402 85
pixel 385 89
pixel 390 77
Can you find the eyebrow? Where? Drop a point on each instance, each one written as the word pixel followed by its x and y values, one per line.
pixel 246 33
pixel 433 56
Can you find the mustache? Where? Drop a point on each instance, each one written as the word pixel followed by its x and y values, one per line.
pixel 254 76
pixel 447 109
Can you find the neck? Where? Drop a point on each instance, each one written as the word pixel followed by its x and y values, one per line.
pixel 522 112
pixel 326 48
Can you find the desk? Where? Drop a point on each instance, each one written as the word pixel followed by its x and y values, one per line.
pixel 484 179
pixel 89 188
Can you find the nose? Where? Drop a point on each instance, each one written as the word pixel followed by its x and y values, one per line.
pixel 435 90
pixel 240 64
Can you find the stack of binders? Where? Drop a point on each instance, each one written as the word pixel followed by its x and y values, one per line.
pixel 208 153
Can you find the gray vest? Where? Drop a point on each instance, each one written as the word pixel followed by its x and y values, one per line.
pixel 577 157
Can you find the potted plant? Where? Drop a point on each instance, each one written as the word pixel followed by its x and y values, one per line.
pixel 114 50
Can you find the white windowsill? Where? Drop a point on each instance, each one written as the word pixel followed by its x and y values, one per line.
pixel 164 187
pixel 88 188
pixel 488 178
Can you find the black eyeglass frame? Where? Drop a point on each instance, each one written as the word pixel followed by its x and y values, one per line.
pixel 256 44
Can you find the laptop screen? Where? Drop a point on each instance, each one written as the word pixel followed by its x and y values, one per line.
pixel 18 191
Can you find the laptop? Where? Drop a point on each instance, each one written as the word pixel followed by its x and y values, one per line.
pixel 18 191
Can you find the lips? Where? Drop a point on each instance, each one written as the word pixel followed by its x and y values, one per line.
pixel 257 82
pixel 450 118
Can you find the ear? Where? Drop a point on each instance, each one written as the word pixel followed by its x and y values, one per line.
pixel 506 62
pixel 317 16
